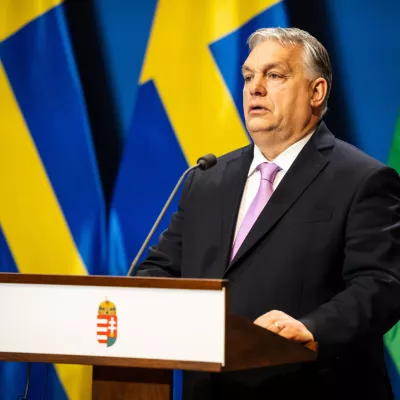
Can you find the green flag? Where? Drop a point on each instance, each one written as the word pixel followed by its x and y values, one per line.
pixel 394 157
pixel 392 341
pixel 392 338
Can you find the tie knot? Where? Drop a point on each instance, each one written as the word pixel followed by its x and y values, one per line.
pixel 268 171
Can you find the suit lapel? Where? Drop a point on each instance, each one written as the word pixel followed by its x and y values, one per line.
pixel 307 166
pixel 233 182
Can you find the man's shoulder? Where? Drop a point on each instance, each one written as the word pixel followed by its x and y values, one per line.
pixel 343 154
pixel 352 166
pixel 225 159
pixel 350 156
pixel 216 172
pixel 232 155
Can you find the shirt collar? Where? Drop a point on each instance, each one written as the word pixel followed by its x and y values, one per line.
pixel 284 160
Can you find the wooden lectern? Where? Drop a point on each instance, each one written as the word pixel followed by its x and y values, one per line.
pixel 134 331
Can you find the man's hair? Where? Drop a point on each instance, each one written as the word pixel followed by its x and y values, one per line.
pixel 316 58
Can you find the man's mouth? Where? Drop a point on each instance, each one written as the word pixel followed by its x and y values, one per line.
pixel 257 109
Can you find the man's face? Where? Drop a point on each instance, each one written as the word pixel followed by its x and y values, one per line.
pixel 276 94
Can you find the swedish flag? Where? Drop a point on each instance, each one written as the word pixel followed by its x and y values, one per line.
pixel 51 204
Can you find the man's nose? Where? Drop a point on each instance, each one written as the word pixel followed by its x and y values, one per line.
pixel 257 87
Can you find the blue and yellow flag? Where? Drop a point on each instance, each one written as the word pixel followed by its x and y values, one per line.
pixel 51 202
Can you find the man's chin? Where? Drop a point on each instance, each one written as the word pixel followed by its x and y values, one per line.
pixel 258 128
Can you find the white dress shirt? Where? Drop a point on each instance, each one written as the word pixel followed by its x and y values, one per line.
pixel 283 161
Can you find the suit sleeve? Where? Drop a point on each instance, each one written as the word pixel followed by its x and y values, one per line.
pixel 164 259
pixel 370 303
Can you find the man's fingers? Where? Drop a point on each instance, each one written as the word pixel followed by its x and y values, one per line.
pixel 285 326
pixel 296 333
pixel 289 329
pixel 268 318
pixel 271 325
pixel 275 327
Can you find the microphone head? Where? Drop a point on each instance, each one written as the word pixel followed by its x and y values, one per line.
pixel 207 161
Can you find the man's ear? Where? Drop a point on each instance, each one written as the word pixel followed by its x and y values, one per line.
pixel 318 92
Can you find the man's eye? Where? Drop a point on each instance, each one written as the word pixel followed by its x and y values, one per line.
pixel 247 78
pixel 274 76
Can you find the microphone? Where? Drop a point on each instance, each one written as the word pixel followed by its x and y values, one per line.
pixel 205 162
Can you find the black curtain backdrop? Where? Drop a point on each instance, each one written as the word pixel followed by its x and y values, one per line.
pixel 311 16
pixel 106 129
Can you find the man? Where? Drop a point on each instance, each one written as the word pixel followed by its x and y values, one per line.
pixel 305 227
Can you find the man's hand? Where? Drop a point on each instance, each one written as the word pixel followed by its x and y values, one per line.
pixel 284 325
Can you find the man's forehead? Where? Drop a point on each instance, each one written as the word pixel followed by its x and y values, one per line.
pixel 272 52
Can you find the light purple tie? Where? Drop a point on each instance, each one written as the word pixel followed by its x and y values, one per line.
pixel 268 172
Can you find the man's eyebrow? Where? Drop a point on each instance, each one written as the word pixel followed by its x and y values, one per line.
pixel 246 68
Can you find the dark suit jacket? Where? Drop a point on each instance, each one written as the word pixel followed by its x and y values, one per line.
pixel 325 250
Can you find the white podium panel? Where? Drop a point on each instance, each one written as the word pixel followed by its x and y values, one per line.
pixel 149 323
